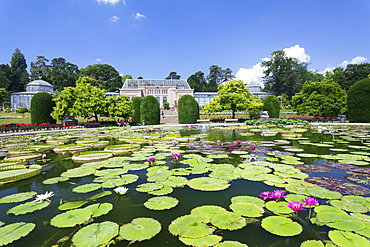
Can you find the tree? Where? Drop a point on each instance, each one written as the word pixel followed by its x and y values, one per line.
pixel 198 82
pixel 173 76
pixel 284 74
pixel 136 101
pixel 19 74
pixel 106 77
pixel 272 104
pixel 217 76
pixel 188 110
pixel 324 98
pixel 354 73
pixel 39 69
pixel 233 96
pixel 41 107
pixel 149 110
pixel 3 96
pixel 62 74
pixel 84 101
pixel 5 76
pixel 118 107
pixel 358 102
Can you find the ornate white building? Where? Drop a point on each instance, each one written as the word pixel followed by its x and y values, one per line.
pixel 23 99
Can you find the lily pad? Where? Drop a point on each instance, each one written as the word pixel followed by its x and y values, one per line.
pixel 312 243
pixel 19 197
pixel 231 244
pixel 96 234
pixel 312 168
pixel 55 180
pixel 248 199
pixel 15 231
pixel 99 209
pixel 146 187
pixel 228 221
pixel 71 218
pixel 78 172
pixel 164 191
pixel 101 194
pixel 86 188
pixel 161 203
pixel 247 209
pixel 208 184
pixel 278 207
pixel 140 229
pixel 190 226
pixel 339 185
pixel 281 226
pixel 345 239
pixel 209 240
pixel 72 205
pixel 28 207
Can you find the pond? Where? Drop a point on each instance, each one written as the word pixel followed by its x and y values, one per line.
pixel 209 195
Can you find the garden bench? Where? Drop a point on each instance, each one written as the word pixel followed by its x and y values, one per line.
pixel 227 120
pixel 203 120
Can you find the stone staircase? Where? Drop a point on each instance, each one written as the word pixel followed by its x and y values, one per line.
pixel 170 116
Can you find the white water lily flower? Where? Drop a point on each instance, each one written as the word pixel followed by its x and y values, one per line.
pixel 44 197
pixel 121 190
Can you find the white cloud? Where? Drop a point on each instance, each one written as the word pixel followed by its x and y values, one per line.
pixel 98 59
pixel 114 18
pixel 355 60
pixel 255 74
pixel 297 52
pixel 139 16
pixel 110 1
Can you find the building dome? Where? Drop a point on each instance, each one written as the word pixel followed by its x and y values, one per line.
pixel 39 86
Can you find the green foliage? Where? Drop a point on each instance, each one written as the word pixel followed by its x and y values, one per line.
pixel 277 122
pixel 272 104
pixel 173 75
pixel 188 110
pixel 18 70
pixel 41 107
pixel 39 69
pixel 21 109
pixel 3 95
pixel 358 102
pixel 118 107
pixel 350 75
pixel 166 105
pixel 324 98
pixel 149 110
pixel 234 96
pixel 106 77
pixel 136 102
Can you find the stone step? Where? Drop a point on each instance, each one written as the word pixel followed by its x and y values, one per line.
pixel 169 119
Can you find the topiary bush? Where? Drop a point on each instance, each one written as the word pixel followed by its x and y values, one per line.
pixel 136 101
pixel 358 102
pixel 188 110
pixel 149 110
pixel 272 104
pixel 41 107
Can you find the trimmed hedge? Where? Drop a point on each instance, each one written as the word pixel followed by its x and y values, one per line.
pixel 41 106
pixel 136 101
pixel 188 110
pixel 358 102
pixel 272 104
pixel 149 110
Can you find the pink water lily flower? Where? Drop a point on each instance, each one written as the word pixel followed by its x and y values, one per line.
pixel 231 146
pixel 277 194
pixel 309 201
pixel 151 160
pixel 238 142
pixel 176 155
pixel 265 195
pixel 296 206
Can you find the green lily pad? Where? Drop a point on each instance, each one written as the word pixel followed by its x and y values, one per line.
pixel 350 206
pixel 208 184
pixel 249 199
pixel 15 231
pixel 278 207
pixel 140 229
pixel 281 226
pixel 164 191
pixel 312 243
pixel 112 183
pixel 78 172
pixel 208 211
pixel 209 240
pixel 130 178
pixel 146 187
pixel 323 193
pixel 19 197
pixel 247 209
pixel 231 244
pixel 161 203
pixel 86 188
pixel 190 226
pixel 102 194
pixel 111 172
pixel 71 218
pixel 96 234
pixel 71 205
pixel 28 207
pixel 345 239
pixel 55 180
pixel 99 209
pixel 228 221
pixel 175 181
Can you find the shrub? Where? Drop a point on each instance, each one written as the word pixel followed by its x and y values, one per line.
pixel 358 102
pixel 149 110
pixel 272 104
pixel 41 107
pixel 188 110
pixel 166 105
pixel 21 109
pixel 136 101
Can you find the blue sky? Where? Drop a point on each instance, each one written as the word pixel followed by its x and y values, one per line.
pixel 151 38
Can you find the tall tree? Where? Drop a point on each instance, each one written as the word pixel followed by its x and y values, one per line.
pixel 3 97
pixel 39 69
pixel 106 77
pixel 62 74
pixel 5 76
pixel 173 75
pixel 19 74
pixel 284 74
pixel 233 96
pixel 118 107
pixel 198 82
pixel 354 73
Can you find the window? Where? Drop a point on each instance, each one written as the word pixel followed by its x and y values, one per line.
pixel 165 91
pixel 159 100
pixel 164 99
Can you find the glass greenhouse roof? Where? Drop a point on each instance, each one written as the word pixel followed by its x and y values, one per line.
pixel 136 83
